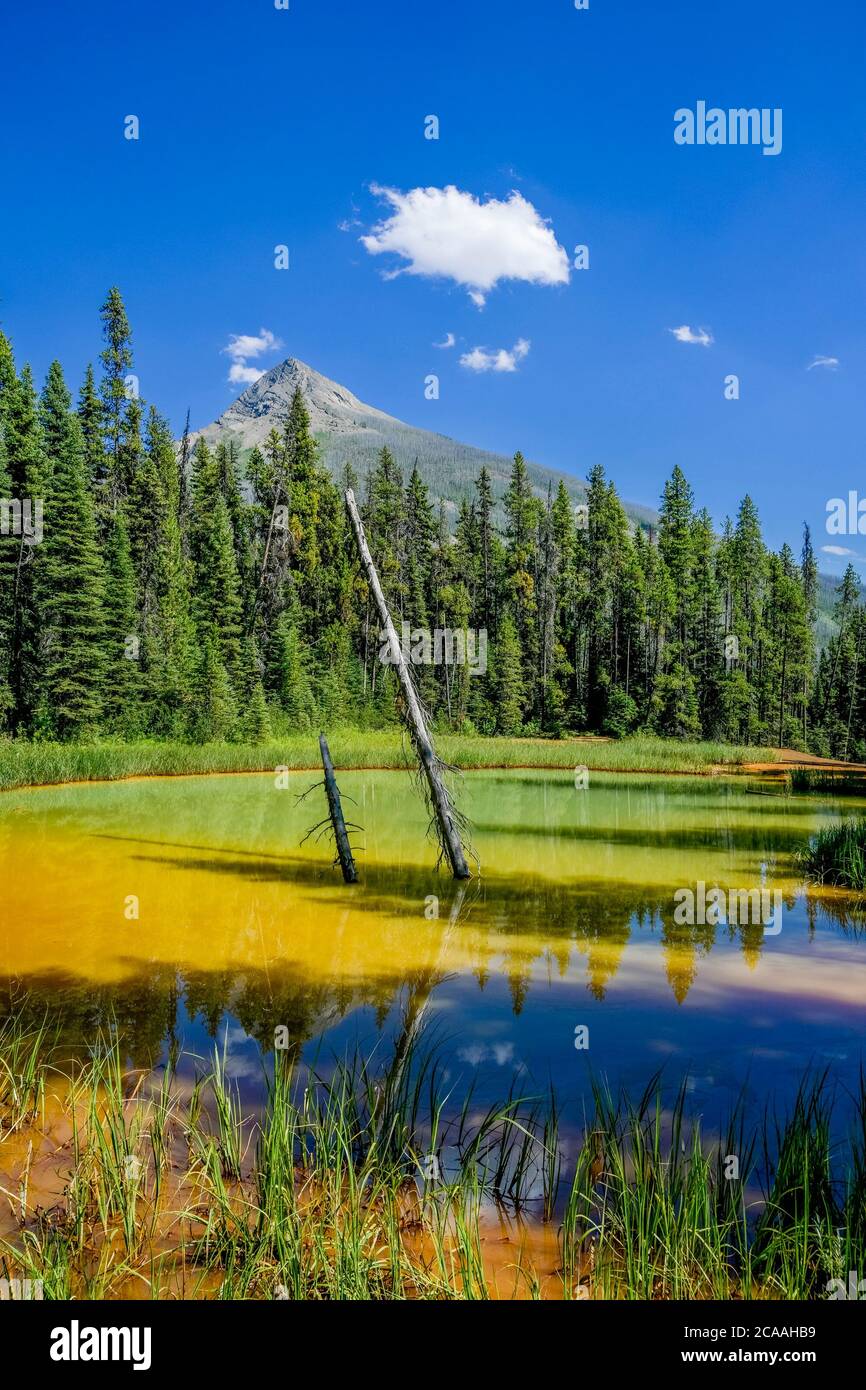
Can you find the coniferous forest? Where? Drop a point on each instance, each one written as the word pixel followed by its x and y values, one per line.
pixel 181 592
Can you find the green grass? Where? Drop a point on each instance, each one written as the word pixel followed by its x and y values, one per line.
pixel 837 855
pixel 22 1074
pixel 25 764
pixel 835 782
pixel 658 1212
pixel 328 1193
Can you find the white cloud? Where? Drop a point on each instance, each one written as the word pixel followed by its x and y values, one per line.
pixel 443 232
pixel 839 550
pixel 239 372
pixel 685 334
pixel 831 363
pixel 241 346
pixel 449 341
pixel 500 360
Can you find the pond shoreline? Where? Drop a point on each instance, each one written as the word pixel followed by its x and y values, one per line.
pixel 732 770
pixel 777 771
pixel 24 765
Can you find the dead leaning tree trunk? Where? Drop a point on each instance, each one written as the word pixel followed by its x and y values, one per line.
pixel 446 816
pixel 335 806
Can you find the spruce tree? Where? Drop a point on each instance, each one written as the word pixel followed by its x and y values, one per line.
pixel 7 372
pixel 122 687
pixel 9 544
pixel 152 512
pixel 255 726
pixel 809 581
pixel 257 721
pixel 116 359
pixel 216 600
pixel 8 565
pixel 508 678
pixel 90 417
pixel 28 469
pixel 215 706
pixel 418 541
pixel 676 710
pixel 286 673
pixel 54 407
pixel 707 644
pixel 522 511
pixel 488 556
pixel 70 592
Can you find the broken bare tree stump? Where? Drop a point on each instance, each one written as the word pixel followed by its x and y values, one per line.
pixel 443 808
pixel 335 807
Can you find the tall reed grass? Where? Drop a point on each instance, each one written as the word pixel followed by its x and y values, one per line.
pixel 365 1184
pixel 834 781
pixel 837 855
pixel 26 764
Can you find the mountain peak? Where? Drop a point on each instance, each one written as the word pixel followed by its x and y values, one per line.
pixel 333 409
pixel 350 432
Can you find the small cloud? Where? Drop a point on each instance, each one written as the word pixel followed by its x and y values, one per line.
pixel 241 346
pixel 831 363
pixel 445 233
pixel 500 360
pixel 348 223
pixel 840 550
pixel 449 342
pixel 238 372
pixel 686 334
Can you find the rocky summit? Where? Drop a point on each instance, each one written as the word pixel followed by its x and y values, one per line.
pixel 349 431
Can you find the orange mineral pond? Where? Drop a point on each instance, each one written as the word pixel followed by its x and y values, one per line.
pixel 187 909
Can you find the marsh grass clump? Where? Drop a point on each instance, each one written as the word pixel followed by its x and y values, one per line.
pixel 836 782
pixel 660 1211
pixel 798 1233
pixel 350 1186
pixel 651 1205
pixel 22 1075
pixel 836 855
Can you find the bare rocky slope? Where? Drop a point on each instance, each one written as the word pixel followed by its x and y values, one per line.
pixel 349 431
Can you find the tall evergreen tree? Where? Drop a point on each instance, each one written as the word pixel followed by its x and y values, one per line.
pixel 8 565
pixel 70 592
pixel 28 468
pixel 522 511
pixel 508 671
pixel 216 601
pixel 90 416
pixel 122 644
pixel 116 359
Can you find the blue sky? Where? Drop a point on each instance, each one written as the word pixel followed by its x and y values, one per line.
pixel 260 127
